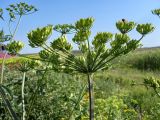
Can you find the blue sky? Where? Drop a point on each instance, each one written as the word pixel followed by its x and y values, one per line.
pixel 105 12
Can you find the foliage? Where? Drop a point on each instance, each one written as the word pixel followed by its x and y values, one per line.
pixel 47 92
pixel 58 94
pixel 146 60
pixel 121 44
pixel 94 57
pixel 13 46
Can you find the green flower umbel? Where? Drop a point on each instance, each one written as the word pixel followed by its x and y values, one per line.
pixel 14 47
pixel 38 37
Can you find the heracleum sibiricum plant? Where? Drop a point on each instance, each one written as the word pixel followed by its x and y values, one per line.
pixel 15 11
pixel 95 54
pixel 156 12
pixel 152 82
pixel 25 66
pixel 9 43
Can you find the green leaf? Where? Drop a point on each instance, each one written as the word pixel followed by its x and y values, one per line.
pixel 8 104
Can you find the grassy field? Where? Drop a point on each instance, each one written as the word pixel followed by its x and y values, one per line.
pixel 115 95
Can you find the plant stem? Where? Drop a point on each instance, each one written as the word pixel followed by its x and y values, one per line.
pixel 3 60
pixel 14 33
pixel 3 65
pixel 23 103
pixel 91 96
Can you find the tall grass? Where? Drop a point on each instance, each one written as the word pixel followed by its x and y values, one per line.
pixel 143 59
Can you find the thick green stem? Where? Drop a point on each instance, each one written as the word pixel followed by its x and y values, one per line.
pixel 23 103
pixel 91 97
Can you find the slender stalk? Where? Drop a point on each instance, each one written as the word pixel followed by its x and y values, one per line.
pixel 3 61
pixel 9 27
pixel 96 57
pixel 23 103
pixel 3 65
pixel 91 96
pixel 75 64
pixel 14 33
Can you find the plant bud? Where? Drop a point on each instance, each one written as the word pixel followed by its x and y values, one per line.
pixel 156 12
pixel 1 13
pixel 125 26
pixel 119 40
pixel 152 82
pixel 64 29
pixel 81 36
pixel 44 54
pixel 83 47
pixel 84 24
pixel 20 9
pixel 14 47
pixel 27 64
pixel 39 36
pixel 144 29
pixel 101 38
pixel 61 44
